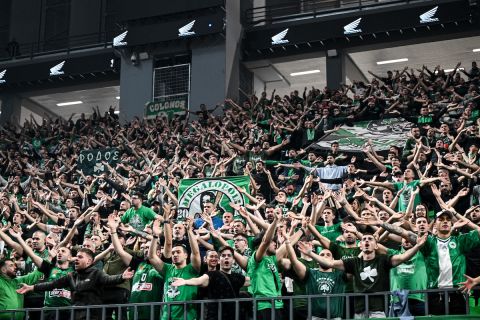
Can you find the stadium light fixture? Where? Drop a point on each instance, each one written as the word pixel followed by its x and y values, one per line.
pixel 116 111
pixel 301 73
pixel 392 61
pixel 71 103
pixel 118 98
pixel 450 70
pixel 476 50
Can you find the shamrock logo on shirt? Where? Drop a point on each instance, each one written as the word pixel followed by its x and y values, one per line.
pixel 369 273
pixel 172 292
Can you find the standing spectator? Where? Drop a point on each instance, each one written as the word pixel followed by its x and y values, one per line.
pixel 445 261
pixel 178 269
pixel 138 216
pixel 371 273
pixel 147 283
pixel 86 281
pixel 220 284
pixel 9 282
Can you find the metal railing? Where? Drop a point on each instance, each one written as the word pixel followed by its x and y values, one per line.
pixel 61 45
pixel 308 9
pixel 156 309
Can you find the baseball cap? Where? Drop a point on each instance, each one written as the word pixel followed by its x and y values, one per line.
pixel 444 212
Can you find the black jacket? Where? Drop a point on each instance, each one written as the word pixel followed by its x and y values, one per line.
pixel 86 285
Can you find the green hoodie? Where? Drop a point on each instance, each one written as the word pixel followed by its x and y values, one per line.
pixel 9 298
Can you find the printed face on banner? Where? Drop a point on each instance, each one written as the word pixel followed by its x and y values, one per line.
pixel 195 194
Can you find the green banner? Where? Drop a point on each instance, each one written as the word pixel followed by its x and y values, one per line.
pixel 167 107
pixel 383 133
pixel 90 161
pixel 193 193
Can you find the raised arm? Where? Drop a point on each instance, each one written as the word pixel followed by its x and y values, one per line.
pixel 202 281
pixel 167 231
pixel 268 237
pixel 12 244
pixel 324 241
pixel 386 184
pixel 241 260
pixel 299 268
pixel 155 260
pixel 26 249
pixel 195 258
pixel 336 264
pixel 407 255
pixel 112 224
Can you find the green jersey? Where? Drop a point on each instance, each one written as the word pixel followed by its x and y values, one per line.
pixel 9 298
pixel 330 232
pixel 410 275
pixel 445 258
pixel 264 280
pixel 56 297
pixel 340 253
pixel 30 266
pixel 370 276
pixel 183 293
pixel 320 282
pixel 146 287
pixel 299 286
pixel 138 218
pixel 406 194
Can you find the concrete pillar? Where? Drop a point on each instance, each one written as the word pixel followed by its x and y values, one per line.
pixel 11 109
pixel 335 68
pixel 85 18
pixel 136 87
pixel 208 76
pixel 233 41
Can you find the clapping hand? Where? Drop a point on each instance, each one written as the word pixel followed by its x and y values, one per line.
pixel 468 284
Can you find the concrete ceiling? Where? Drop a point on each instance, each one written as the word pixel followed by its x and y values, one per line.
pixel 103 97
pixel 444 53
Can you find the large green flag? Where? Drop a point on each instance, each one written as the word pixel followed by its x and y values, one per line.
pixel 383 133
pixel 193 193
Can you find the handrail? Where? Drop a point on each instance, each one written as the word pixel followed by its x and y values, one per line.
pixel 267 15
pixel 238 302
pixel 65 45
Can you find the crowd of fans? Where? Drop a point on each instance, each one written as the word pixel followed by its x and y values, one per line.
pixel 318 221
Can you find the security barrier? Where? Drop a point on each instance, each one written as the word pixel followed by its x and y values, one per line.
pixel 157 309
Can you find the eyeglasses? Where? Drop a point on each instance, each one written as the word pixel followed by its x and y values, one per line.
pixel 238 239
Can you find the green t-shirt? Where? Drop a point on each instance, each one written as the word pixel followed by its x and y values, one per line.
pixel 340 253
pixel 265 280
pixel 30 266
pixel 299 286
pixel 330 232
pixel 138 218
pixel 56 297
pixel 255 157
pixel 9 298
pixel 320 282
pixel 183 293
pixel 369 277
pixel 405 195
pixel 146 287
pixel 410 275
pixel 445 259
